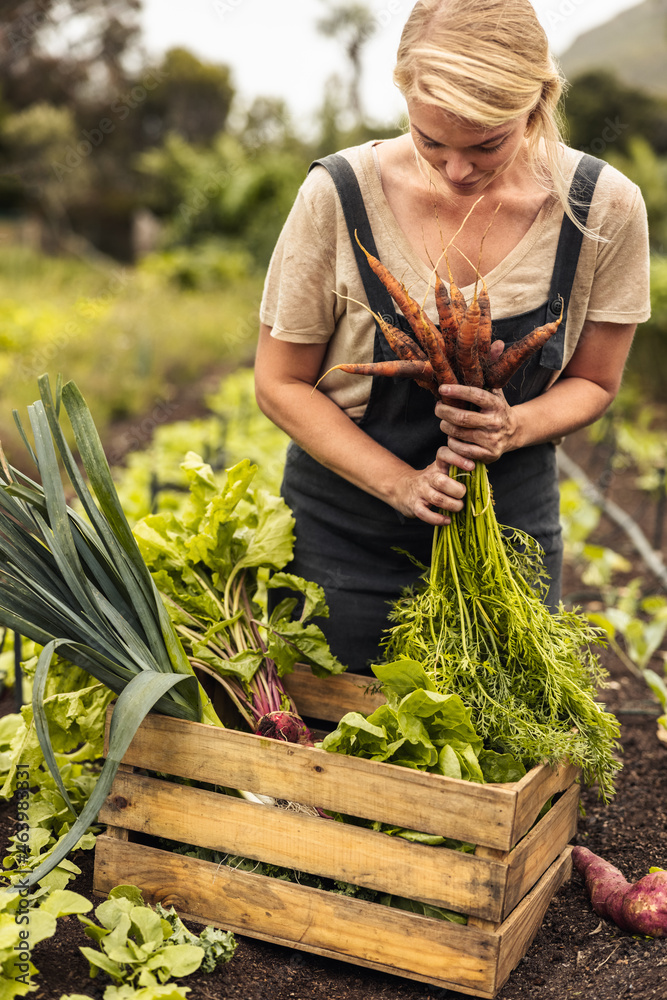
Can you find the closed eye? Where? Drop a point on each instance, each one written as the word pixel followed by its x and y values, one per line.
pixel 430 144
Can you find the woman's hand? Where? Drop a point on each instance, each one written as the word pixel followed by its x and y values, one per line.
pixel 427 493
pixel 482 433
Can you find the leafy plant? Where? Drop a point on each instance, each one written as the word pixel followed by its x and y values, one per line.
pixel 213 564
pixel 81 586
pixel 140 948
pixel 50 820
pixel 75 709
pixel 479 626
pixel 24 922
pixel 422 728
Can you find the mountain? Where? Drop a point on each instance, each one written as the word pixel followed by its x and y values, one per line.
pixel 633 45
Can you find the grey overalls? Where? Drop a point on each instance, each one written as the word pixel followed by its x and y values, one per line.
pixel 346 539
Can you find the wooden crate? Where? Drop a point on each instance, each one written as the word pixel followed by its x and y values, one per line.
pixel 505 886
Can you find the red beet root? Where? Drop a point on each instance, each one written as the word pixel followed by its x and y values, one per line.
pixel 640 908
pixel 285 726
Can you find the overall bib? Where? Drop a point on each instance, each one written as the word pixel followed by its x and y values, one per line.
pixel 346 539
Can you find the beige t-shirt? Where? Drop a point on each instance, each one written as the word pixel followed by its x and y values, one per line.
pixel 313 275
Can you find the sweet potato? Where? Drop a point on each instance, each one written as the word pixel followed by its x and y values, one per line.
pixel 640 908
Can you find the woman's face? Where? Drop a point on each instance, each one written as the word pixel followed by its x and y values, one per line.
pixel 469 158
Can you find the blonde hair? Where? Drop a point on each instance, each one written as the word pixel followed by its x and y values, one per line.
pixel 488 62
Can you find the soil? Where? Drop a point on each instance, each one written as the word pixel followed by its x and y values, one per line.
pixel 574 954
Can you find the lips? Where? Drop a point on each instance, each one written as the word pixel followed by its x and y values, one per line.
pixel 466 186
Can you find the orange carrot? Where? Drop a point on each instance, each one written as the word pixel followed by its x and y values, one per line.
pixel 448 325
pixel 459 304
pixel 484 333
pixel 400 342
pixel 410 309
pixel 426 332
pixel 431 341
pixel 456 296
pixel 501 371
pixel 399 369
pixel 466 347
pixel 407 349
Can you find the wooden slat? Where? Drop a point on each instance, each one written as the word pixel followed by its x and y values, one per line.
pixel 540 847
pixel 366 934
pixel 399 796
pixel 536 788
pixel 330 698
pixel 488 922
pixel 118 832
pixel 522 925
pixel 435 875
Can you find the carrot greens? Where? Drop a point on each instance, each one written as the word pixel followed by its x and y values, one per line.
pixel 480 628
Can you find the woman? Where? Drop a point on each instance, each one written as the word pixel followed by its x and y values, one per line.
pixel 367 470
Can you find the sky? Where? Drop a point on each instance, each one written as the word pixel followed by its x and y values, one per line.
pixel 274 48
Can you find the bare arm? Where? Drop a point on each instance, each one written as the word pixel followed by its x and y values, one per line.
pixel 285 374
pixel 580 396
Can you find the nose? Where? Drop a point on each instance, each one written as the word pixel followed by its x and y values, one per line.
pixel 457 167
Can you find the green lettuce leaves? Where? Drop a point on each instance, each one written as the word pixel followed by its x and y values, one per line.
pixel 420 728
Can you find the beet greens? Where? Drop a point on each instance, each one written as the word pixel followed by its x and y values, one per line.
pixel 214 563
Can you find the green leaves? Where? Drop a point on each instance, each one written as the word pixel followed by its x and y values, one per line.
pixel 418 727
pixel 80 585
pixel 478 625
pixel 24 922
pixel 214 563
pixel 142 948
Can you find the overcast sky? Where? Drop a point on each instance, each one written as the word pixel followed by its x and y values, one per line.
pixel 274 49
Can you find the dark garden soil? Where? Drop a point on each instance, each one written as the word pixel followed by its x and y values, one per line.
pixel 574 954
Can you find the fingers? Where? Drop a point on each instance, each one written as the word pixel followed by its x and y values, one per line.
pixel 480 432
pixel 467 394
pixel 496 349
pixel 448 456
pixel 431 495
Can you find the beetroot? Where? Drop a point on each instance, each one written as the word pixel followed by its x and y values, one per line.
pixel 285 726
pixel 640 908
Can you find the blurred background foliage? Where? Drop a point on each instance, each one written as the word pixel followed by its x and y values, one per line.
pixel 140 201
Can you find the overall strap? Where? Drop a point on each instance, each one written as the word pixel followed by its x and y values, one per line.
pixel 352 202
pixel 567 254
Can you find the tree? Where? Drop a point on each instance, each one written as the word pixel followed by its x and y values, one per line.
pixel 192 98
pixel 36 66
pixel 353 24
pixel 604 114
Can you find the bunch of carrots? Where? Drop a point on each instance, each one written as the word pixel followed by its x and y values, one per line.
pixel 458 350
pixel 477 620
